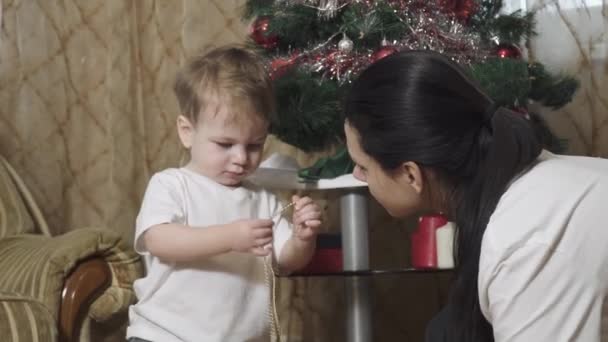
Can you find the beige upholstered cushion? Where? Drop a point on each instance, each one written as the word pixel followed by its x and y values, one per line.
pixel 36 266
pixel 24 319
pixel 14 216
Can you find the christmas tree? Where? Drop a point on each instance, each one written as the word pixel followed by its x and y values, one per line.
pixel 316 48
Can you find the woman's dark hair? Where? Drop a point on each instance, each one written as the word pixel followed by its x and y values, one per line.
pixel 419 106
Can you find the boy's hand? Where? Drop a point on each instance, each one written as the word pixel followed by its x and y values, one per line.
pixel 252 236
pixel 306 218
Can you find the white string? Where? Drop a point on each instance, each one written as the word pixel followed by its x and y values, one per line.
pixel 270 275
pixel 275 329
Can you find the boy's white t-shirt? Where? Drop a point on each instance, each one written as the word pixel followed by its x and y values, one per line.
pixel 221 299
pixel 543 270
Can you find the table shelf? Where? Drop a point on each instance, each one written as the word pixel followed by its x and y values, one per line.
pixel 369 272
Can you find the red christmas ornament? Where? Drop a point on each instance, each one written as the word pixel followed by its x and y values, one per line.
pixel 336 63
pixel 462 9
pixel 382 52
pixel 259 32
pixel 507 51
pixel 279 66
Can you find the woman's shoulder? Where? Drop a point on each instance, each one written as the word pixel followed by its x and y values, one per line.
pixel 537 207
pixel 557 174
pixel 558 165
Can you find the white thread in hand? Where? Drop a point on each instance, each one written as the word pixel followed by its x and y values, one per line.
pixel 275 328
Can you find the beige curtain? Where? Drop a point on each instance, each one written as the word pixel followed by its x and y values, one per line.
pixel 87 108
pixel 87 115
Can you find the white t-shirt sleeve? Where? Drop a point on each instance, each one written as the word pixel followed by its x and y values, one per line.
pixel 532 293
pixel 162 203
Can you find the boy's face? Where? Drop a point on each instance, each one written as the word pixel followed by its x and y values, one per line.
pixel 223 148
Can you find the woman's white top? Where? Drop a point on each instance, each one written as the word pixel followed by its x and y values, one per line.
pixel 543 270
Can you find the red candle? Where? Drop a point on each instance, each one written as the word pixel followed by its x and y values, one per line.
pixel 424 241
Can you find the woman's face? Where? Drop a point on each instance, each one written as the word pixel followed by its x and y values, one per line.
pixel 398 191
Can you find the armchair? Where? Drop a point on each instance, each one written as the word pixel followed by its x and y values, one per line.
pixel 52 286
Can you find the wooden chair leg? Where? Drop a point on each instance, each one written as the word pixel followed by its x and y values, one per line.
pixel 87 282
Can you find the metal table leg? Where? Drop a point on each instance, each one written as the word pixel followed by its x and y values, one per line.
pixel 355 248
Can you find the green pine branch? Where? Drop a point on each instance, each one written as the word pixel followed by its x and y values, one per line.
pixel 257 8
pixel 514 28
pixel 367 28
pixel 504 79
pixel 299 27
pixel 309 114
pixel 551 91
pixel 487 10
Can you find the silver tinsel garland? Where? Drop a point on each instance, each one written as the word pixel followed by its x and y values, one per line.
pixel 428 25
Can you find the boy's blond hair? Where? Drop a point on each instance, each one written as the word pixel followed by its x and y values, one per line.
pixel 234 75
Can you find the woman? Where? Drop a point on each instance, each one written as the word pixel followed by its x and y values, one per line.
pixel 532 239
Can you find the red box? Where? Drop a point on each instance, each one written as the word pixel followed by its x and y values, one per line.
pixel 327 257
pixel 324 261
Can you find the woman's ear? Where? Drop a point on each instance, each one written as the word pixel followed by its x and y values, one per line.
pixel 185 130
pixel 412 175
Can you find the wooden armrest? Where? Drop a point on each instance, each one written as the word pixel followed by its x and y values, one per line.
pixel 87 281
